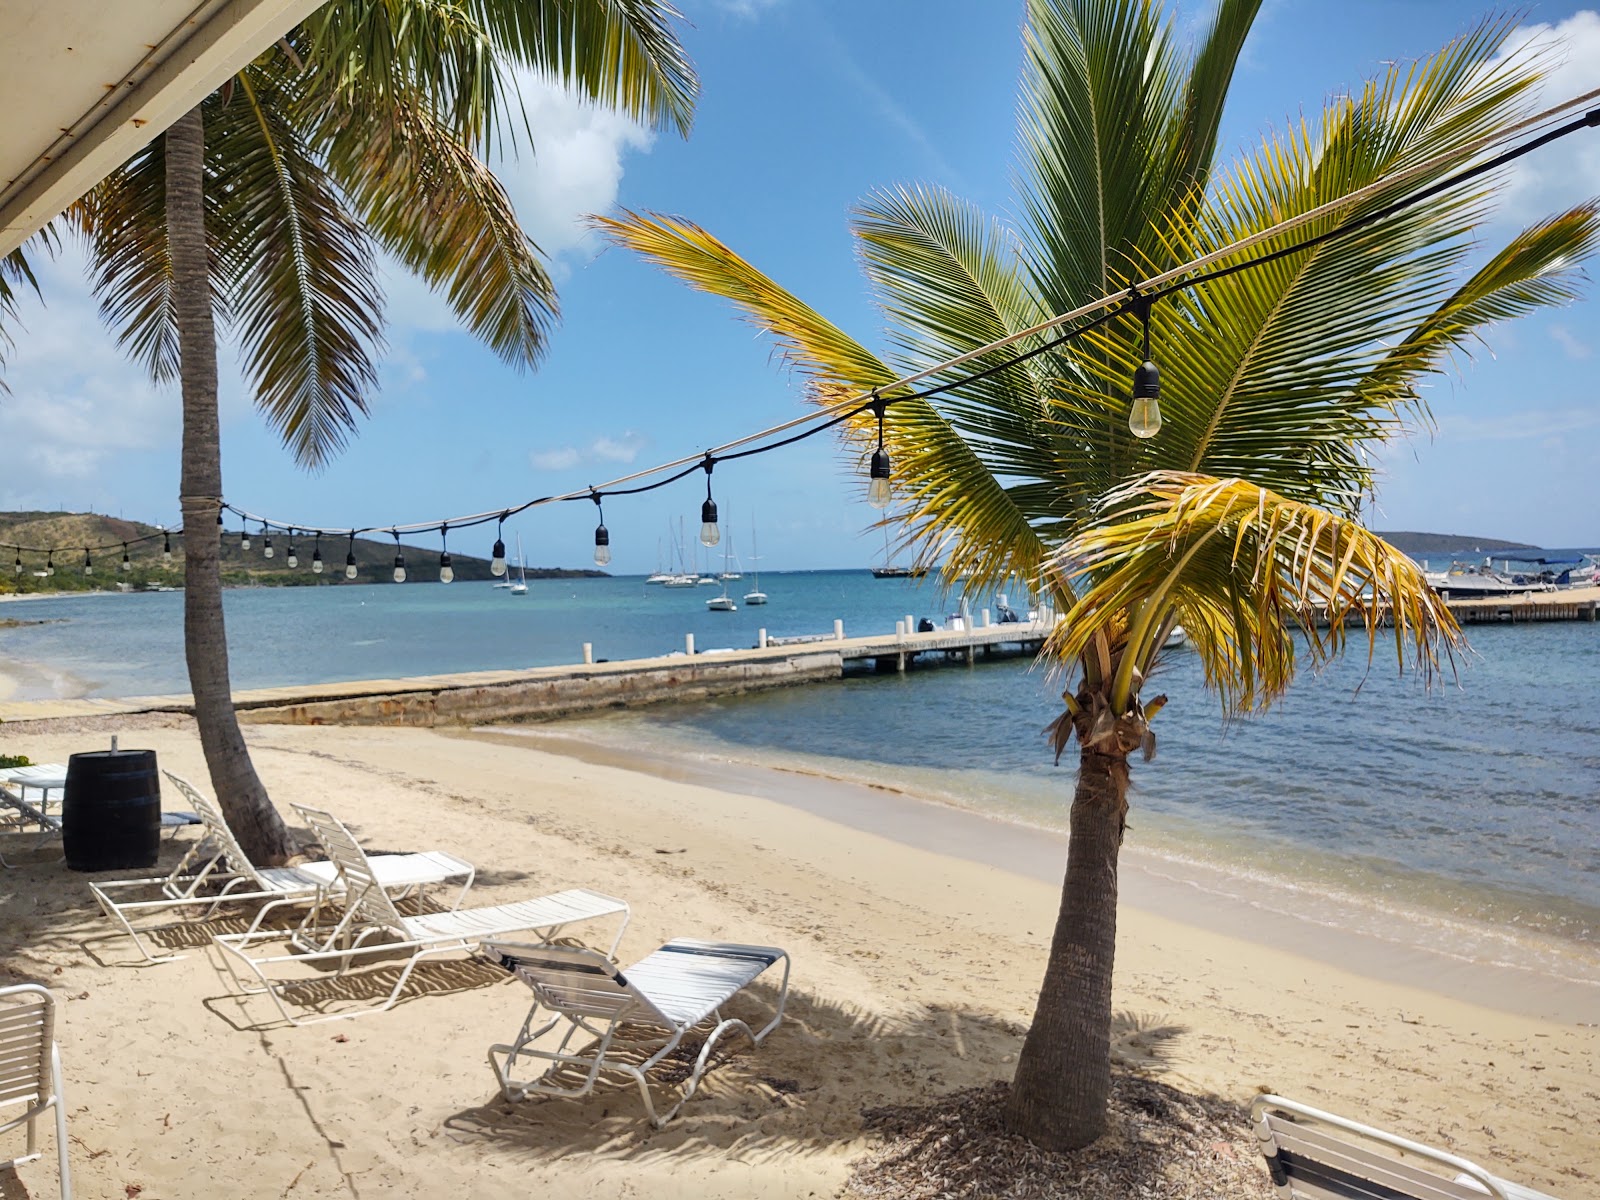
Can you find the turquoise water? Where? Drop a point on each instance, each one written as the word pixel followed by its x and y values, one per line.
pixel 1478 800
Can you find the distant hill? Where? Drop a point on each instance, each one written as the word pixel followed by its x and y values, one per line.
pixel 1449 543
pixel 71 532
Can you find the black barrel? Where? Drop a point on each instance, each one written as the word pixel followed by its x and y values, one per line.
pixel 111 812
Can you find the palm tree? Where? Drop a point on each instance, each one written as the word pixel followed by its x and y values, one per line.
pixel 1240 519
pixel 265 209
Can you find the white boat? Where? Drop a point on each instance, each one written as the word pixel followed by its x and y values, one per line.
pixel 724 602
pixel 520 587
pixel 1468 580
pixel 1176 638
pixel 755 595
pixel 676 581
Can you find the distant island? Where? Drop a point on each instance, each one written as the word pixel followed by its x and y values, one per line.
pixel 1448 543
pixel 148 570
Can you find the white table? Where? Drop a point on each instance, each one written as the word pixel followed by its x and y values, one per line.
pixel 41 777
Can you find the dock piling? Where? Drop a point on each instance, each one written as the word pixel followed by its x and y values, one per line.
pixel 588 654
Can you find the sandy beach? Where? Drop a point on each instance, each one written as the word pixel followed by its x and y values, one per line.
pixel 918 939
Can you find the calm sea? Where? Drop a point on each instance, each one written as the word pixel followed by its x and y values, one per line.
pixel 1476 802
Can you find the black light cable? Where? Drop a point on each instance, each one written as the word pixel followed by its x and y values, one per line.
pixel 710 533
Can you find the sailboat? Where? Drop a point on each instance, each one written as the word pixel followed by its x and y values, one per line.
pixel 682 576
pixel 755 596
pixel 520 587
pixel 724 602
pixel 891 572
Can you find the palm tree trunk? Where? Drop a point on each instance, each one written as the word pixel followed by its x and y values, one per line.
pixel 1063 1080
pixel 255 822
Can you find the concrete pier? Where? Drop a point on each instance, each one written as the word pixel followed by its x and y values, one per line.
pixel 556 691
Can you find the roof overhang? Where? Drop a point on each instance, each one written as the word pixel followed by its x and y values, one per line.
pixel 85 83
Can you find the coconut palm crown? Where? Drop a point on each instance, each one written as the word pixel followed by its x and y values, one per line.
pixel 264 212
pixel 1240 519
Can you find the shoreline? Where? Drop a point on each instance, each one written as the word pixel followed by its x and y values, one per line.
pixel 1186 891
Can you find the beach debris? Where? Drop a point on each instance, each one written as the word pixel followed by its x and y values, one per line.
pixel 1162 1142
pixel 680 850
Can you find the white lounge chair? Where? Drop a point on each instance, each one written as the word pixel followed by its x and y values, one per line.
pixel 1314 1155
pixel 670 991
pixel 370 925
pixel 30 1070
pixel 216 871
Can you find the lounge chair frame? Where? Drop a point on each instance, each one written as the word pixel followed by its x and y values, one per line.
pixel 30 1071
pixel 585 991
pixel 1307 1163
pixel 371 926
pixel 215 871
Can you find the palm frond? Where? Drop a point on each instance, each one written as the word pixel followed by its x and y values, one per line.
pixel 123 221
pixel 300 268
pixel 623 53
pixel 1239 567
pixel 360 55
pixel 428 199
pixel 16 273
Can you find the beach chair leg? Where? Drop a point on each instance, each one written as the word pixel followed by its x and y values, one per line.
pixel 61 1124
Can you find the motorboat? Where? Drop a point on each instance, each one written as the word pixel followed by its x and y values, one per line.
pixel 724 602
pixel 1465 581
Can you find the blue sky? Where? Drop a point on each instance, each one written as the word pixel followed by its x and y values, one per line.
pixel 807 105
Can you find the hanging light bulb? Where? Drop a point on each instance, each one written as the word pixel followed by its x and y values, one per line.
pixel 350 558
pixel 447 573
pixel 1144 414
pixel 316 556
pixel 878 493
pixel 88 566
pixel 602 537
pixel 17 569
pixel 220 530
pixel 166 549
pixel 266 540
pixel 244 539
pixel 497 562
pixel 710 535
pixel 399 559
pixel 291 559
pixel 127 564
pixel 50 563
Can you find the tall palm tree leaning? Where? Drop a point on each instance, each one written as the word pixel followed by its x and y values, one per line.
pixel 1240 518
pixel 266 207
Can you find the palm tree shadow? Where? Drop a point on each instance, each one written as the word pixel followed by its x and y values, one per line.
pixel 802 1091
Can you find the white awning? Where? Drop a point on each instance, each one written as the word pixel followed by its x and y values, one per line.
pixel 85 83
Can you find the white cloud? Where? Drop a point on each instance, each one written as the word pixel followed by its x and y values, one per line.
pixel 1573 345
pixel 1527 425
pixel 1567 172
pixel 554 460
pixel 623 448
pixel 747 9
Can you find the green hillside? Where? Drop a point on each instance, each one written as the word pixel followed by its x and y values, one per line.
pixel 71 532
pixel 1448 543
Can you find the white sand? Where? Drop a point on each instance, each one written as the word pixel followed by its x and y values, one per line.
pixel 914 972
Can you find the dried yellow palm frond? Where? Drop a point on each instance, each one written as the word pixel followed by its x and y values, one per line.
pixel 1243 569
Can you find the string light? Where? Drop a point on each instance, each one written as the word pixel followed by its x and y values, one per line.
pixel 1188 275
pixel 127 564
pixel 710 534
pixel 17 569
pixel 266 540
pixel 88 566
pixel 350 558
pixel 447 573
pixel 316 556
pixel 399 559
pixel 166 549
pixel 497 561
pixel 291 559
pixel 878 494
pixel 602 537
pixel 1144 414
